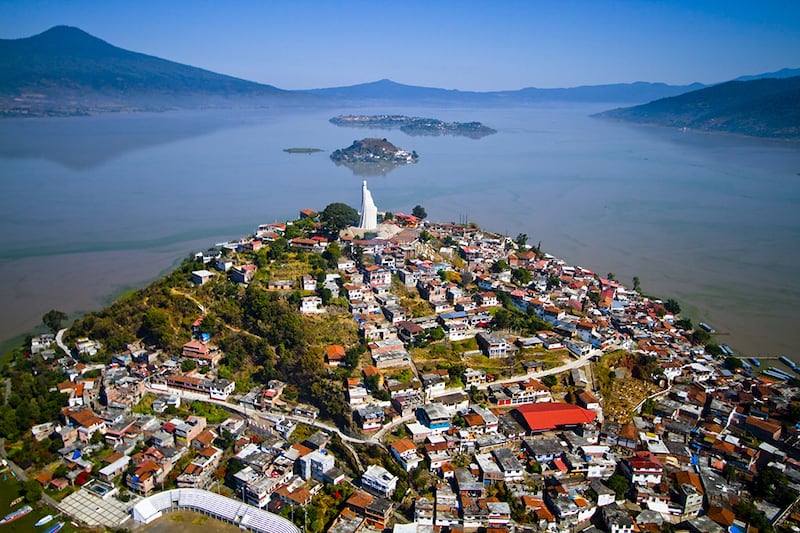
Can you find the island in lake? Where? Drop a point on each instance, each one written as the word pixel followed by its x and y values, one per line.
pixel 370 157
pixel 302 150
pixel 414 125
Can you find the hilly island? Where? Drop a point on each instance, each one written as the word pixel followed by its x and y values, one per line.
pixel 370 157
pixel 332 379
pixel 414 125
pixel 379 371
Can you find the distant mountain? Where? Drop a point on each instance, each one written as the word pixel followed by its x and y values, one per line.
pixel 388 90
pixel 766 107
pixel 66 71
pixel 782 73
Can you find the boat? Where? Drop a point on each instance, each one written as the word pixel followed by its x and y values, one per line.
pixel 56 527
pixel 746 365
pixel 777 373
pixel 19 513
pixel 788 362
pixel 726 349
pixel 755 361
pixel 44 520
pixel 706 327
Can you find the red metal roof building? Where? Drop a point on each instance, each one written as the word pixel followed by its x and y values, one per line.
pixel 552 415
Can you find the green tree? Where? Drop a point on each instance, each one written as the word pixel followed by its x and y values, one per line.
pixel 419 212
pixel 156 328
pixel 500 266
pixel 187 365
pixel 550 380
pixel 337 216
pixel 521 240
pixel 521 276
pixel 31 491
pixel 53 319
pixel 619 484
pixel 331 255
pixel 353 356
pixel 672 306
pixel 700 336
pixel 637 286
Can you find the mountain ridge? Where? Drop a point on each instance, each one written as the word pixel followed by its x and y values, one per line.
pixel 763 107
pixel 66 71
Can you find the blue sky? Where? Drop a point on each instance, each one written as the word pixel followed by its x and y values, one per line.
pixel 467 45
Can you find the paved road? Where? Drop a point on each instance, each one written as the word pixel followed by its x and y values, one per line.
pixel 258 417
pixel 571 365
pixel 60 342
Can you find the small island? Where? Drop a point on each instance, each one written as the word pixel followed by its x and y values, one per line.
pixel 414 125
pixel 369 157
pixel 302 150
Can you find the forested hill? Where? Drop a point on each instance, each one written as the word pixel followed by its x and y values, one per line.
pixel 66 71
pixel 759 108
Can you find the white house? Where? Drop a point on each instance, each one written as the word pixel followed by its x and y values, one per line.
pixel 311 304
pixel 378 480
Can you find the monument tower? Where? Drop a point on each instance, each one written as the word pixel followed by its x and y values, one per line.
pixel 369 212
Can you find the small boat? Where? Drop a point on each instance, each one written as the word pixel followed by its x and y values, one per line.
pixel 755 361
pixel 19 513
pixel 44 520
pixel 706 327
pixel 56 527
pixel 777 373
pixel 788 362
pixel 726 349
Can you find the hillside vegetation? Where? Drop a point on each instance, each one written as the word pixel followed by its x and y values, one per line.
pixel 66 71
pixel 759 108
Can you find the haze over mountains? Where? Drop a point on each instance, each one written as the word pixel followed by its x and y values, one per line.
pixel 65 71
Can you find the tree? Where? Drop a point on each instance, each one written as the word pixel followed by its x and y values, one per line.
pixel 419 212
pixel 499 266
pixel 550 380
pixel 156 327
pixel 611 276
pixel 521 240
pixel 331 255
pixel 672 306
pixel 326 296
pixel 31 490
pixel 521 276
pixel 337 216
pixel 637 286
pixel 53 319
pixel 700 336
pixel 619 484
pixel 187 365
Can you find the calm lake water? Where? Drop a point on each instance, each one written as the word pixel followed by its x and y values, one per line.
pixel 94 206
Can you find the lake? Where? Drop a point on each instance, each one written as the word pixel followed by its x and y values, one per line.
pixel 95 206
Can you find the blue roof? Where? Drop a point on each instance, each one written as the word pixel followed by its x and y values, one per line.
pixel 454 314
